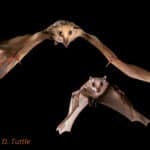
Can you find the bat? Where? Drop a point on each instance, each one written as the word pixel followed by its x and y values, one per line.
pixel 100 91
pixel 13 50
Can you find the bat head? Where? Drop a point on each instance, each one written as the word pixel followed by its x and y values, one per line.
pixel 64 32
pixel 98 85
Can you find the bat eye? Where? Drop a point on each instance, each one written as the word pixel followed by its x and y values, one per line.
pixel 93 84
pixel 60 33
pixel 70 32
pixel 101 83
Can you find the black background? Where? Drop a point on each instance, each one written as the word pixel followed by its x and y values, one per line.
pixel 35 95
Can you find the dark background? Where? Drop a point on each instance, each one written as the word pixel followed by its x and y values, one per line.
pixel 35 95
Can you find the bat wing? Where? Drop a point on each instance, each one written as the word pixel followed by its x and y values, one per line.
pixel 77 104
pixel 118 101
pixel 15 49
pixel 128 69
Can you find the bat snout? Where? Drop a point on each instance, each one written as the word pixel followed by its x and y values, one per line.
pixel 66 42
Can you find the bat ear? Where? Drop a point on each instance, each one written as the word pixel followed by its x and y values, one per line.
pixel 76 27
pixel 105 77
pixel 1 52
pixel 90 78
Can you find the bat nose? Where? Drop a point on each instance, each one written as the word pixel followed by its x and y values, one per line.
pixel 98 89
pixel 66 42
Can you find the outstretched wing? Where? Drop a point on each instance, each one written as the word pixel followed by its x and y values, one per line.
pixel 14 50
pixel 117 100
pixel 128 69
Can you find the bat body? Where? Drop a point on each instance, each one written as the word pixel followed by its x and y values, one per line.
pixel 100 91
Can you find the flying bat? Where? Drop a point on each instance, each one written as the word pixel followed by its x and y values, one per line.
pixel 14 50
pixel 100 91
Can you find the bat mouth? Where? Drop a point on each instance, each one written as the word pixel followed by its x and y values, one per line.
pixel 66 43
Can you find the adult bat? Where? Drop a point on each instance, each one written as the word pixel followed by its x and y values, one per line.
pixel 100 91
pixel 13 50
